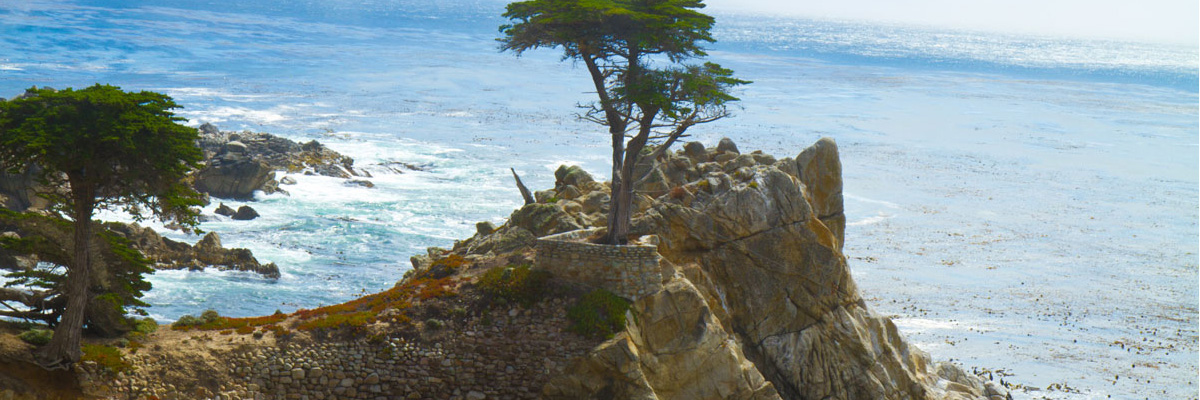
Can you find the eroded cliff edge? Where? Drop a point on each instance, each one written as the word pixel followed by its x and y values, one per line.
pixel 758 300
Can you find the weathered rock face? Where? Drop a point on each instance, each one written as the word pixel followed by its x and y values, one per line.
pixel 233 176
pixel 759 241
pixel 545 219
pixel 245 213
pixel 18 192
pixel 278 153
pixel 675 349
pixel 819 167
pixel 241 163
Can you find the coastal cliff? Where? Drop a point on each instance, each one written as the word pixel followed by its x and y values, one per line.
pixel 755 270
pixel 734 286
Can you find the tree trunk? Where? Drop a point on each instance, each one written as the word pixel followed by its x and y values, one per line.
pixel 616 208
pixel 63 351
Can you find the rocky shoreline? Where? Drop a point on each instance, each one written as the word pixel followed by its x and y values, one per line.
pixel 753 300
pixel 236 166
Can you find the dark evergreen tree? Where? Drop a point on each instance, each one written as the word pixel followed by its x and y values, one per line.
pixel 634 51
pixel 101 147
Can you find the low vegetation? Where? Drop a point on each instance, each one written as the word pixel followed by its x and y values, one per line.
pixel 514 283
pixel 210 320
pixel 107 357
pixel 598 314
pixel 37 337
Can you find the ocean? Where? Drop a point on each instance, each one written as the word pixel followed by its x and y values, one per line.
pixel 1018 203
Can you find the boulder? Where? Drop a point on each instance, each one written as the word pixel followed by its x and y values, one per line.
pixel 225 210
pixel 245 213
pixel 276 152
pixel 820 168
pixel 233 178
pixel 726 145
pixel 696 152
pixel 18 192
pixel 483 228
pixel 209 129
pixel 359 182
pixel 544 219
pixel 505 240
pixel 572 175
pixel 235 147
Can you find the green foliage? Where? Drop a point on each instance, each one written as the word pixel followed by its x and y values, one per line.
pixel 100 148
pixel 619 41
pixel 514 283
pixel 209 316
pixel 446 266
pixel 355 321
pixel 119 282
pixel 36 337
pixel 146 326
pixel 116 148
pixel 634 51
pixel 107 357
pixel 210 320
pixel 186 321
pixel 434 324
pixel 598 314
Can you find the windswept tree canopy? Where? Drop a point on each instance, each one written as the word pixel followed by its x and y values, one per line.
pixel 635 52
pixel 98 147
pixel 126 147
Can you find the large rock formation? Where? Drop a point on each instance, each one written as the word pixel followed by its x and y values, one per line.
pixel 758 288
pixel 18 191
pixel 238 164
pixel 208 252
pixel 675 349
pixel 233 176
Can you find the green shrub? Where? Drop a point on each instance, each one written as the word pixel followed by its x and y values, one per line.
pixel 434 324
pixel 145 326
pixel 209 316
pixel 187 321
pixel 514 283
pixel 37 337
pixel 598 314
pixel 106 356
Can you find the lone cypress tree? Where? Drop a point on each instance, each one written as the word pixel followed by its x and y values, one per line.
pixel 634 51
pixel 101 147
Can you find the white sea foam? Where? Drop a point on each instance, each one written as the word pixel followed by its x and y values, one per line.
pixel 875 219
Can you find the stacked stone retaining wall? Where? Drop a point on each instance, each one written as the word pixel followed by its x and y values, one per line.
pixel 630 271
pixel 507 354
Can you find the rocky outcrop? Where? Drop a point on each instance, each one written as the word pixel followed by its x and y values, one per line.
pixel 754 247
pixel 277 152
pixel 168 254
pixel 238 164
pixel 675 349
pixel 233 176
pixel 18 191
pixel 245 213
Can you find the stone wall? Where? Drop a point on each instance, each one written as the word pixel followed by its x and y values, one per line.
pixel 507 355
pixel 630 271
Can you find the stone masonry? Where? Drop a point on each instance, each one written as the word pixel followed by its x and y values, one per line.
pixel 630 271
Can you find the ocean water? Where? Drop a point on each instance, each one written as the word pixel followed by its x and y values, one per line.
pixel 1018 203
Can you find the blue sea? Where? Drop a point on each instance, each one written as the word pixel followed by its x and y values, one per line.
pixel 1014 202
